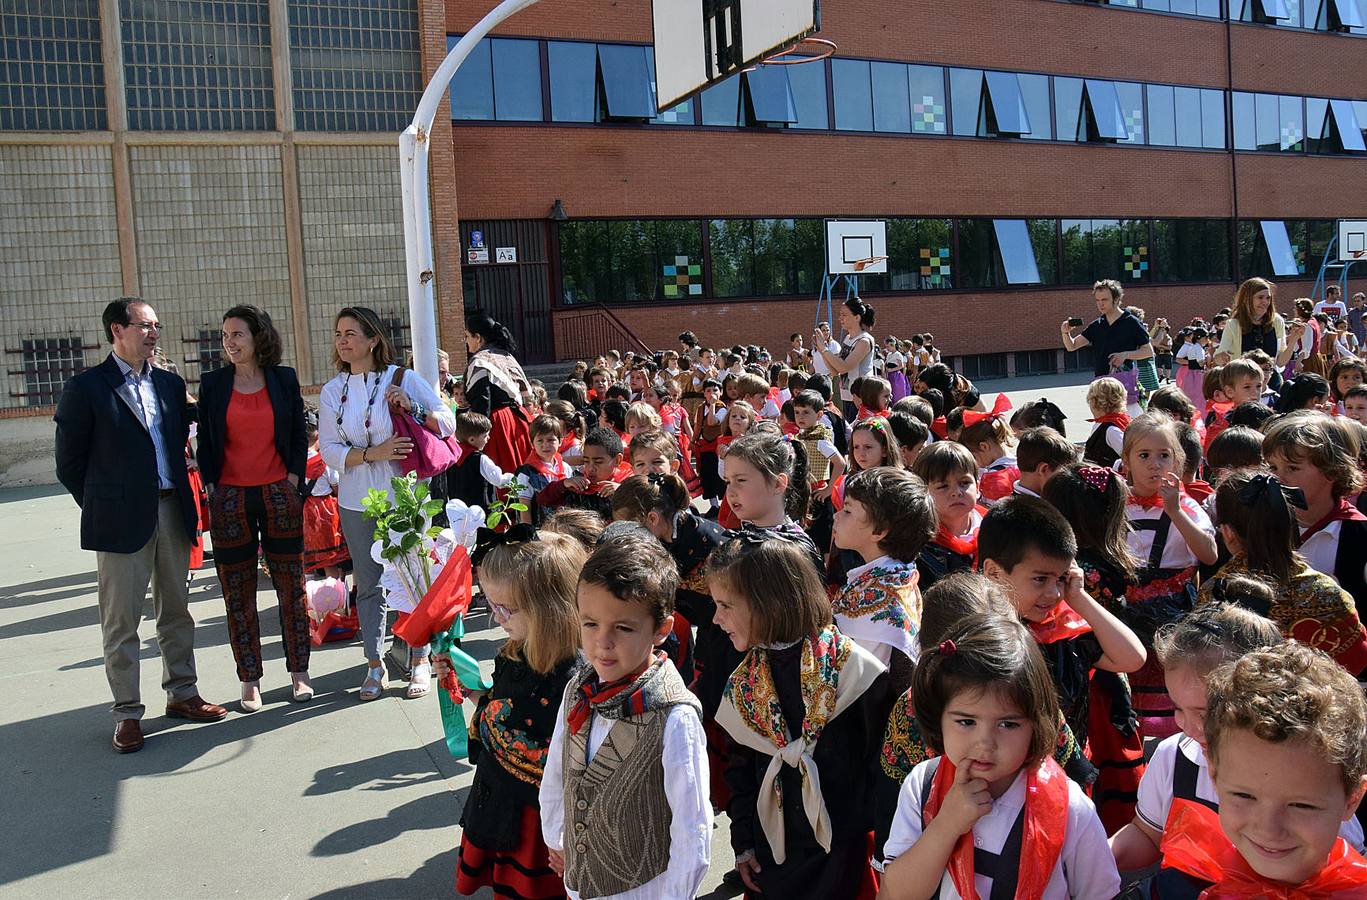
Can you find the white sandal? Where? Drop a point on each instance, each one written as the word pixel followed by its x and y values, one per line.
pixel 374 685
pixel 419 680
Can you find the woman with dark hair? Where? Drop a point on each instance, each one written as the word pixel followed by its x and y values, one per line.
pixel 955 389
pixel 356 437
pixel 252 452
pixel 857 351
pixel 495 386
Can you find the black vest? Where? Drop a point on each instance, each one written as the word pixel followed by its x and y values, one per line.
pixel 1096 450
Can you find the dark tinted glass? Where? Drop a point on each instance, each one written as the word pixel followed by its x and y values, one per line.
pixel 517 80
pixel 853 95
pixel 626 81
pixel 472 87
pixel 574 81
pixel 965 99
pixel 808 83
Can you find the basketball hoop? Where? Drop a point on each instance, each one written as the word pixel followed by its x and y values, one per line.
pixel 818 48
pixel 862 264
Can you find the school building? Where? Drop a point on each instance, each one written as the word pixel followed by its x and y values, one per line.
pixel 202 153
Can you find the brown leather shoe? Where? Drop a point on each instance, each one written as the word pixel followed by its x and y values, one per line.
pixel 195 709
pixel 128 736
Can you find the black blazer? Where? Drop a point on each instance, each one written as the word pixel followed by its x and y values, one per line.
pixel 282 386
pixel 106 460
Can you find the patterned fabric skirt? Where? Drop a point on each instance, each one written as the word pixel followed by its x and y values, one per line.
pixel 522 873
pixel 324 544
pixel 1149 607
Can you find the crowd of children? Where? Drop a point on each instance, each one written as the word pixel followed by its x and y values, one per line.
pixel 925 646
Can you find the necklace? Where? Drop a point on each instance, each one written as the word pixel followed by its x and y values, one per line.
pixel 346 387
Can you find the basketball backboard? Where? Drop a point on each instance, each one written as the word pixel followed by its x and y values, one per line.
pixel 701 42
pixel 856 247
pixel 1352 240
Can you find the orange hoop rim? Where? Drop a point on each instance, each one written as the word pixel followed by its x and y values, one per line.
pixel 862 264
pixel 823 47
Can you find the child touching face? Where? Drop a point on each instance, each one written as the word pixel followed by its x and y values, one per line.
pixel 772 604
pixel 984 701
pixel 1284 731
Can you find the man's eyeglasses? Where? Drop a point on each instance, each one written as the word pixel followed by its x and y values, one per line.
pixel 146 326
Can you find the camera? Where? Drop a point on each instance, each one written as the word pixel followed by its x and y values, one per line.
pixel 1075 322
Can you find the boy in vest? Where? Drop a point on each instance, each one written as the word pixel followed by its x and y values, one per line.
pixel 624 798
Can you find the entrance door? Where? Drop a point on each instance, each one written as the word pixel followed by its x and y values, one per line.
pixel 515 293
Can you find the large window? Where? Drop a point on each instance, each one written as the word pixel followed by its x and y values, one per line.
pixel 631 261
pixel 1094 249
pixel 920 257
pixel 1002 252
pixel 766 257
pixel 55 73
pixel 1191 250
pixel 1265 249
pixel 198 65
pixel 355 64
pixel 500 79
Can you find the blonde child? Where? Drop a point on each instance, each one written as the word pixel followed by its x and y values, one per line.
pixel 802 768
pixel 1285 737
pixel 1170 536
pixel 1106 400
pixel 530 589
pixel 986 704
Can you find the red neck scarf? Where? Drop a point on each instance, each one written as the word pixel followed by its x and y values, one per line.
pixel 940 428
pixel 1046 821
pixel 568 441
pixel 1343 512
pixel 1118 419
pixel 1062 623
pixel 1198 490
pixel 315 467
pixel 1155 501
pixel 1193 843
pixel 964 546
pixel 553 470
pixel 594 692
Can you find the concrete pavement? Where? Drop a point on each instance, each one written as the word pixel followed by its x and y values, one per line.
pixel 332 799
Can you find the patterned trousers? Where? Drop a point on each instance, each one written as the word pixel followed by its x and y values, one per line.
pixel 270 516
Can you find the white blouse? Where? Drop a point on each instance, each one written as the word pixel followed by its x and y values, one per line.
pixel 1085 868
pixel 686 788
pixel 334 439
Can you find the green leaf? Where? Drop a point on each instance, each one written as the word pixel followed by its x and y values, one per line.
pixel 410 541
pixel 434 531
pixel 420 492
pixel 432 507
pixel 518 507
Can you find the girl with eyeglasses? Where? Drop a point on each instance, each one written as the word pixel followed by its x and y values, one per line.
pixel 530 586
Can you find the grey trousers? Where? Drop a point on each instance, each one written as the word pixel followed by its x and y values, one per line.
pixel 360 535
pixel 164 561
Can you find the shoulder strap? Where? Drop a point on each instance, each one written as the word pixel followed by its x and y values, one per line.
pixel 397 380
pixel 1184 778
pixel 925 787
pixel 1160 527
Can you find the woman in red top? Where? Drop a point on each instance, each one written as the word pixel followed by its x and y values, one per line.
pixel 252 453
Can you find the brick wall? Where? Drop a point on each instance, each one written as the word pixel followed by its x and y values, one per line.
pixel 962 323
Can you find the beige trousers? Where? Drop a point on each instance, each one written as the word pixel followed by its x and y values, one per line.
pixel 164 561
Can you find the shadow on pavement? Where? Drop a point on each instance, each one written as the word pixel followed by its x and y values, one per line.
pixel 63 780
pixel 44 590
pixel 435 878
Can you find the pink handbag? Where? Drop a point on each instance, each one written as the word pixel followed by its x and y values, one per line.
pixel 431 455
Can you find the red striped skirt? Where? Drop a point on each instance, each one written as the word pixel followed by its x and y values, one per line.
pixel 523 873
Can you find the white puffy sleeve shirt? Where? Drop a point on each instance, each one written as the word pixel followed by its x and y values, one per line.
pixel 686 789
pixel 340 428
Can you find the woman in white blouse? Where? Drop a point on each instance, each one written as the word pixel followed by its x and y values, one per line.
pixel 356 437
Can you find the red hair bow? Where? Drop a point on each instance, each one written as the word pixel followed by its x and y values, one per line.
pixel 999 409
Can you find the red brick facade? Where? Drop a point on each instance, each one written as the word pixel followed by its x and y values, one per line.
pixel 510 172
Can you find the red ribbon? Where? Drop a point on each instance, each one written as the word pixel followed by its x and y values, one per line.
pixel 1046 821
pixel 1062 623
pixel 1194 843
pixel 999 409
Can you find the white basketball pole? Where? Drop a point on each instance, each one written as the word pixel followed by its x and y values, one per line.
pixel 414 148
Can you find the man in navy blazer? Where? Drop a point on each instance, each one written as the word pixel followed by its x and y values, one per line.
pixel 121 433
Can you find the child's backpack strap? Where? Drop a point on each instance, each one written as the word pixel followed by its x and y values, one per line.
pixel 1185 774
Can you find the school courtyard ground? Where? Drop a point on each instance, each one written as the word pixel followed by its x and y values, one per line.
pixel 333 799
